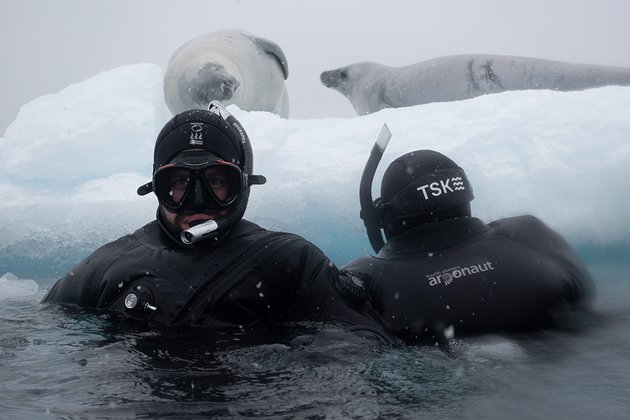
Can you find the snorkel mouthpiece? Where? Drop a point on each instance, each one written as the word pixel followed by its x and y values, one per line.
pixel 200 231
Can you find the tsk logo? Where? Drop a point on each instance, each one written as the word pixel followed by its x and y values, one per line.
pixel 442 187
pixel 449 275
pixel 196 136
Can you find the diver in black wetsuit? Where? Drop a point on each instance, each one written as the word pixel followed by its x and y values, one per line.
pixel 444 273
pixel 200 263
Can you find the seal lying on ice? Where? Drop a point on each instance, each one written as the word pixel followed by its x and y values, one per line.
pixel 231 66
pixel 372 86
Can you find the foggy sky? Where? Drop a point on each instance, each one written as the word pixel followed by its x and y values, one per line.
pixel 49 44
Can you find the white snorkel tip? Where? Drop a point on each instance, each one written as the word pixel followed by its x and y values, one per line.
pixel 383 138
pixel 189 236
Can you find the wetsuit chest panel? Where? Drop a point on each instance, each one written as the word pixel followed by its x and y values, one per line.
pixel 187 283
pixel 233 293
pixel 495 282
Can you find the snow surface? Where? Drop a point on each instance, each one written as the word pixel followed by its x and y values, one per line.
pixel 71 162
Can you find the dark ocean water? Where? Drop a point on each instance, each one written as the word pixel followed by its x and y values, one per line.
pixel 59 365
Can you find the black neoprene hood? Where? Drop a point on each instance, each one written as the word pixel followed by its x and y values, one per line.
pixel 196 129
pixel 424 181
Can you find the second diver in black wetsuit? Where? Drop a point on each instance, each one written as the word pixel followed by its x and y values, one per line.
pixel 444 273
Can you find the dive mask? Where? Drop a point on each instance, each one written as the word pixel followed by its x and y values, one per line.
pixel 198 182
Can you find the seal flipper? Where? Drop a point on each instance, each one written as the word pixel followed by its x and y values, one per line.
pixel 274 49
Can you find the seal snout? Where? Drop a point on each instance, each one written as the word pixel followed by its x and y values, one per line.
pixel 327 78
pixel 213 82
pixel 330 78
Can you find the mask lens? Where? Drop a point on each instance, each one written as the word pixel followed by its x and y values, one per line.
pixel 171 185
pixel 213 187
pixel 224 182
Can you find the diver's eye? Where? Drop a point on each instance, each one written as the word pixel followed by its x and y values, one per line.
pixel 179 183
pixel 217 181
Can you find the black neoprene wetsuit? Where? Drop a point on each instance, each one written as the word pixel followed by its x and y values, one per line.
pixel 513 274
pixel 249 276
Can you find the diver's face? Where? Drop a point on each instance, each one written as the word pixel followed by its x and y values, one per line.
pixel 178 180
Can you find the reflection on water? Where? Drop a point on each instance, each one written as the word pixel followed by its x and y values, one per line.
pixel 54 364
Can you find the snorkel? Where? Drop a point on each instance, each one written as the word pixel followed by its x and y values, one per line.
pixel 211 227
pixel 369 213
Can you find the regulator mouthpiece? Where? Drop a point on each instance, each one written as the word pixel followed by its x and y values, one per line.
pixel 195 233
